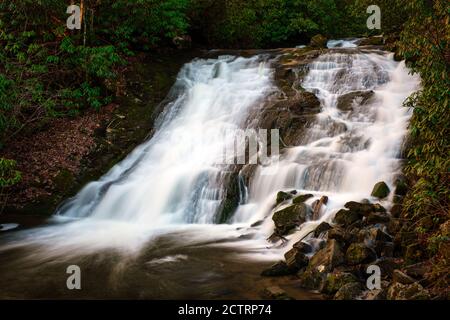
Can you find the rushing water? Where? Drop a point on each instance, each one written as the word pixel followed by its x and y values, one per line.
pixel 154 212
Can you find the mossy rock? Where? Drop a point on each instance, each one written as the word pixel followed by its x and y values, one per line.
pixel 302 198
pixel 380 190
pixel 358 253
pixel 334 281
pixel 311 279
pixel 349 291
pixel 290 217
pixel 345 102
pixel 329 257
pixel 346 217
pixel 318 41
pixel 282 196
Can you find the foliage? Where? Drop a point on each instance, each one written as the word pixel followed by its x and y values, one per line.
pixel 8 173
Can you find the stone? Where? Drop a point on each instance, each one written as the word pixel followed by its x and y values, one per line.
pixel 311 279
pixel 358 253
pixel 345 101
pixel 349 291
pixel 401 188
pixel 339 234
pixel 414 291
pixel 417 270
pixel 303 247
pixel 282 196
pixel 296 259
pixel 275 292
pixel 346 217
pixel 290 217
pixel 396 210
pixel 327 258
pixel 278 269
pixel 376 234
pixel 321 228
pixel 371 41
pixel 364 209
pixel 334 281
pixel 387 266
pixel 403 278
pixel 318 41
pixel 301 198
pixel 377 217
pixel 380 190
pixel 317 205
pixel 304 103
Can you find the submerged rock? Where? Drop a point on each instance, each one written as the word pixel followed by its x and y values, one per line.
pixel 279 269
pixel 380 190
pixel 302 198
pixel 283 196
pixel 321 228
pixel 275 292
pixel 345 102
pixel 295 258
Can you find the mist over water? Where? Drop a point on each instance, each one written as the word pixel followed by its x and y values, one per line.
pixel 172 186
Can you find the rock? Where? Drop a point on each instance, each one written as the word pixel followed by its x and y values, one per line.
pixel 346 217
pixel 339 234
pixel 302 198
pixel 296 259
pixel 318 41
pixel 414 291
pixel 365 208
pixel 387 266
pixel 290 217
pixel 311 279
pixel 275 292
pixel 375 234
pixel 375 294
pixel 417 270
pixel 304 103
pixel 345 101
pixel 321 228
pixel 384 249
pixel 282 196
pixel 371 41
pixel 326 259
pixel 336 280
pixel 380 190
pixel 278 269
pixel 303 247
pixel 349 291
pixel 317 205
pixel 358 253
pixel 402 278
pixel 377 217
pixel 396 210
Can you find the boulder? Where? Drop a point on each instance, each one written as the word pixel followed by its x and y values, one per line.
pixel 380 190
pixel 321 228
pixel 396 210
pixel 318 41
pixel 387 266
pixel 326 259
pixel 303 247
pixel 304 103
pixel 376 234
pixel 282 196
pixel 311 279
pixel 401 188
pixel 290 217
pixel 275 292
pixel 345 101
pixel 364 208
pixel 339 234
pixel 302 198
pixel 377 217
pixel 371 41
pixel 296 259
pixel 349 291
pixel 278 269
pixel 334 281
pixel 358 253
pixel 414 291
pixel 346 217
pixel 317 205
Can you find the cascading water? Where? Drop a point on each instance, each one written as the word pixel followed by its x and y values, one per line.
pixel 344 152
pixel 158 206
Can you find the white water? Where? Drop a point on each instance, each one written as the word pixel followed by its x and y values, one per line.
pixel 173 184
pixel 342 43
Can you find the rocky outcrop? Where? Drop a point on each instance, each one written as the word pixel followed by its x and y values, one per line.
pixel 345 102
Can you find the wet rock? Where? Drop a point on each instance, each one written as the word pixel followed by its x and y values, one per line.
pixel 349 291
pixel 334 281
pixel 303 247
pixel 290 217
pixel 376 234
pixel 321 228
pixel 358 253
pixel 326 259
pixel 318 41
pixel 296 259
pixel 339 234
pixel 364 208
pixel 396 210
pixel 401 188
pixel 387 266
pixel 304 103
pixel 380 190
pixel 275 292
pixel 311 279
pixel 417 270
pixel 384 249
pixel 414 291
pixel 403 278
pixel 371 41
pixel 346 217
pixel 279 269
pixel 302 198
pixel 345 102
pixel 282 196
pixel 317 205
pixel 377 217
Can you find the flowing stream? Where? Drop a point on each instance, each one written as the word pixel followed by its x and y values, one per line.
pixel 156 212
